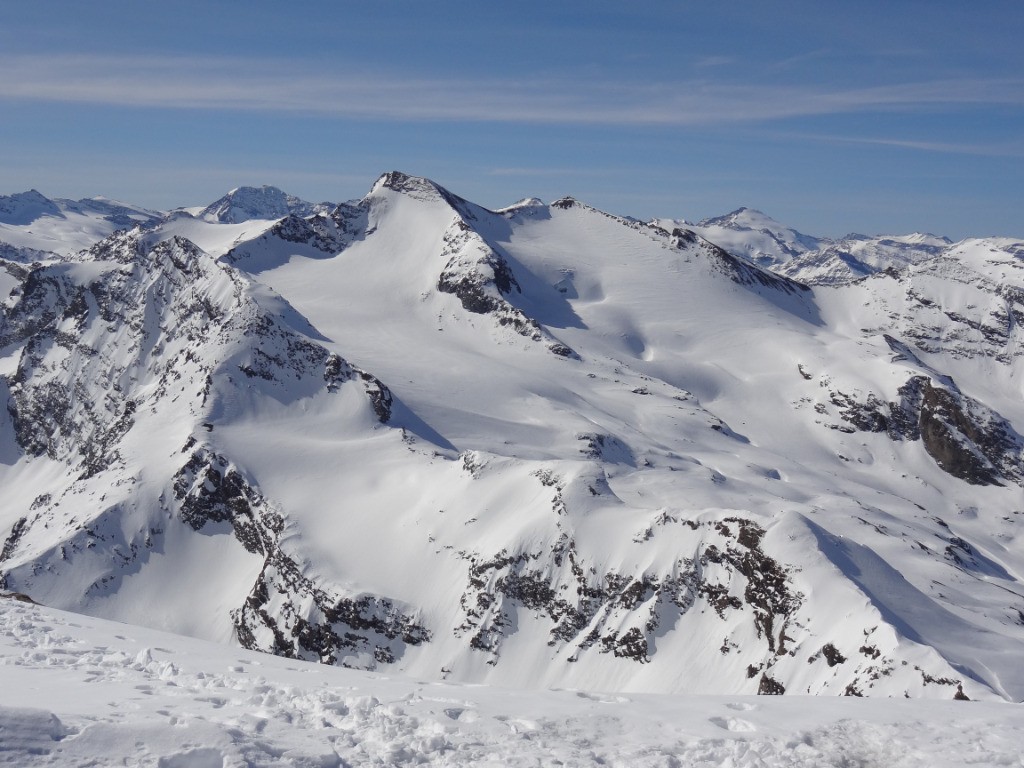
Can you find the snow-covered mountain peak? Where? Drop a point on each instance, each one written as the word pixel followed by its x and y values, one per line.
pixel 25 207
pixel 400 181
pixel 117 213
pixel 266 202
pixel 857 256
pixel 419 188
pixel 752 235
pixel 755 236
pixel 600 453
pixel 743 218
pixel 33 227
pixel 921 238
pixel 525 203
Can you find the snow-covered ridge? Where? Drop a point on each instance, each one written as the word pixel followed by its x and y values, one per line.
pixel 26 207
pixel 753 235
pixel 33 225
pixel 540 446
pixel 266 202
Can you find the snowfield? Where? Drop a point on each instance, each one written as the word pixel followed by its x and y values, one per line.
pixel 545 449
pixel 77 691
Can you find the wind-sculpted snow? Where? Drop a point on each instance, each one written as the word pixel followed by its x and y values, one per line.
pixel 545 446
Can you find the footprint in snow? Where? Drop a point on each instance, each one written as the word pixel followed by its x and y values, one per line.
pixel 734 724
pixel 603 699
pixel 518 726
pixel 462 715
pixel 738 706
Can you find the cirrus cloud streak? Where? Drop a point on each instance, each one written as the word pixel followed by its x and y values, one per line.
pixel 211 83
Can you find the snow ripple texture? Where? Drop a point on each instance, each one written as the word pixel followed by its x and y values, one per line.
pixel 75 691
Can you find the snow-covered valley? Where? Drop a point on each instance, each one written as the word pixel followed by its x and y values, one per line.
pixel 541 447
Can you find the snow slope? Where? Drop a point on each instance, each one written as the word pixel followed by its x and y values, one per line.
pixel 268 203
pixel 75 690
pixel 753 235
pixel 37 225
pixel 539 447
pixel 857 256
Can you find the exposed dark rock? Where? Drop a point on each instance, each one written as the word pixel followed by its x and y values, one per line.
pixel 209 489
pixel 482 280
pixel 961 445
pixel 126 246
pixel 964 437
pixel 328 235
pixel 17 531
pixel 631 644
pixel 314 624
pixel 744 272
pixel 868 416
pixel 380 396
pixel 870 651
pixel 750 534
pixel 17 597
pixel 287 613
pixel 605 448
pixel 590 613
pixel 425 189
pixel 770 687
pixel 767 590
pixel 479 279
pixel 557 348
pixel 684 237
pixel 832 655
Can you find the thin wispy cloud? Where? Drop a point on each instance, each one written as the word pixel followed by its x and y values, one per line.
pixel 802 58
pixel 547 171
pixel 709 62
pixel 281 87
pixel 981 150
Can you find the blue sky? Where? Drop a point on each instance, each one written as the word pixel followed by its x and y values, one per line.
pixel 831 117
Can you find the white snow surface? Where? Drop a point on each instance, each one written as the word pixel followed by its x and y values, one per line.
pixel 753 235
pixel 266 202
pixel 40 226
pixel 545 447
pixel 80 691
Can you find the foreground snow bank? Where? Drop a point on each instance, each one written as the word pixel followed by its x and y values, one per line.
pixel 75 690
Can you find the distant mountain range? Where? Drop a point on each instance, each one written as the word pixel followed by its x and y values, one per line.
pixel 542 446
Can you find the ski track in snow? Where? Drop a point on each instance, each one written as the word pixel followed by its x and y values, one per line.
pixel 80 691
